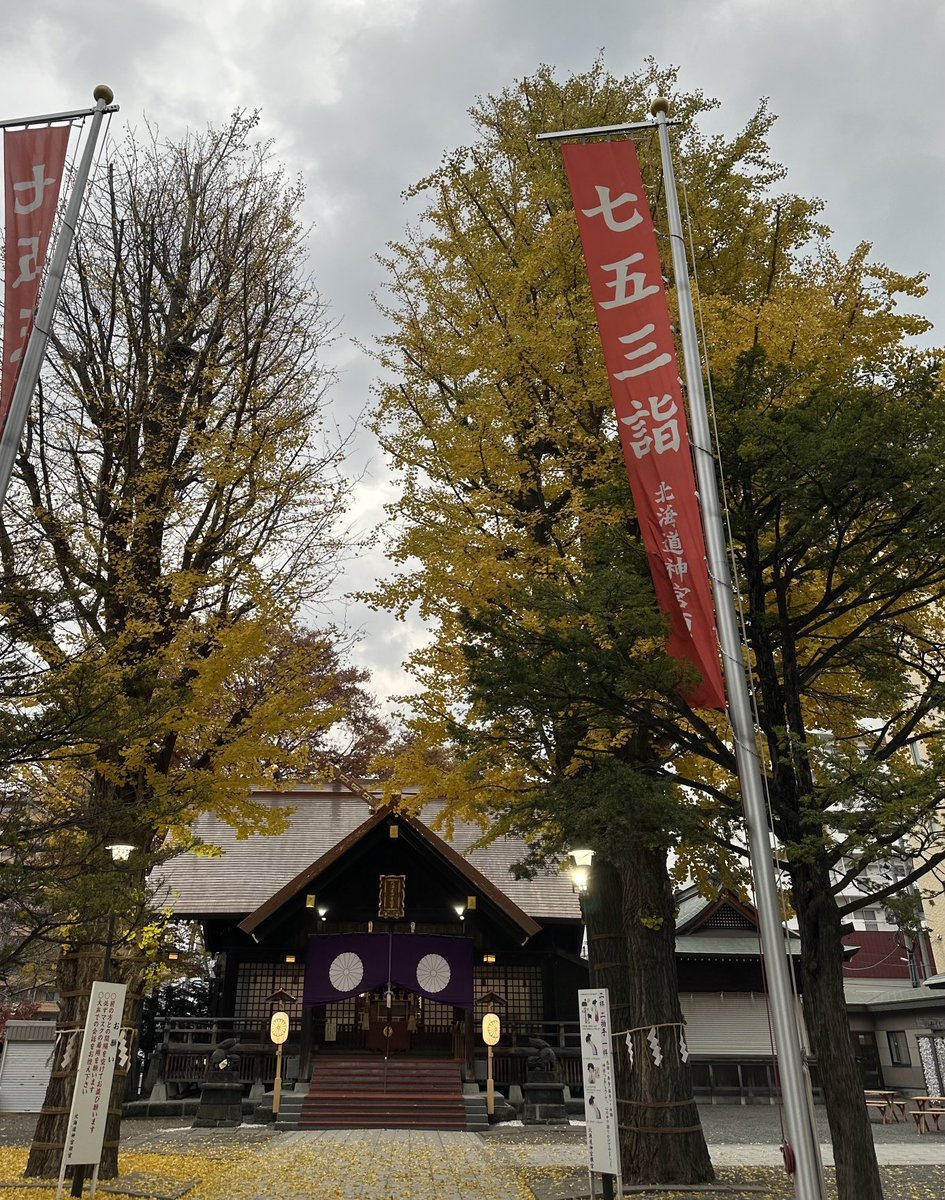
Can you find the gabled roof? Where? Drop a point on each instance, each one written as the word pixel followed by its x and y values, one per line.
pixel 476 881
pixel 722 926
pixel 250 869
pixel 725 910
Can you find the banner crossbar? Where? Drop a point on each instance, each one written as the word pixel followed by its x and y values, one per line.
pixel 600 130
pixel 50 118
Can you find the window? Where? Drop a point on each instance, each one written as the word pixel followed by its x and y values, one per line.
pixel 898 1048
pixel 256 982
pixel 514 992
pixel 919 756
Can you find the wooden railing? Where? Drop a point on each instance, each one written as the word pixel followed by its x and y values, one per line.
pixel 189 1041
pixel 509 1065
pixel 558 1034
pixel 188 1065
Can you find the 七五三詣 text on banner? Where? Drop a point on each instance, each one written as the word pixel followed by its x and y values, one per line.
pixel 626 281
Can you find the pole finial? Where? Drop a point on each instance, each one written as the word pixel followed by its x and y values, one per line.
pixel 660 105
pixel 103 92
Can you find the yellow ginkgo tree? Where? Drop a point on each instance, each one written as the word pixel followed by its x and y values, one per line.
pixel 546 701
pixel 175 501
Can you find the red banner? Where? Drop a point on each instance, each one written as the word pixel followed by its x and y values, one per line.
pixel 626 279
pixel 34 160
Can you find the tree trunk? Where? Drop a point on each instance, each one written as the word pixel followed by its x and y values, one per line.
pixel 825 1014
pixel 631 927
pixel 76 971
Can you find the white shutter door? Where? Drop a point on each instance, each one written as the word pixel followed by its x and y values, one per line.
pixel 728 1024
pixel 24 1074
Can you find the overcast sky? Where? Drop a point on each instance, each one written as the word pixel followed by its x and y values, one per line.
pixel 363 96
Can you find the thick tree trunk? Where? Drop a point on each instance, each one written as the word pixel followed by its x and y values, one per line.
pixel 631 936
pixel 75 973
pixel 825 1014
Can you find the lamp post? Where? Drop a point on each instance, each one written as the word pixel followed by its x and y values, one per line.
pixel 579 872
pixel 120 852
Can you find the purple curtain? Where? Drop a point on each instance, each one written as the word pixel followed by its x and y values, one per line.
pixel 346 964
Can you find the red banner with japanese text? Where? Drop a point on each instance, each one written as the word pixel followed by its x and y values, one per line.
pixel 626 280
pixel 34 160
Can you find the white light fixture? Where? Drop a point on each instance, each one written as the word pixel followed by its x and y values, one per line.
pixel 580 868
pixel 460 910
pixel 322 911
pixel 120 851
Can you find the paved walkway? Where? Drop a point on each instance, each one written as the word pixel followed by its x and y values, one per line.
pixel 734 1154
pixel 373 1164
pixel 427 1165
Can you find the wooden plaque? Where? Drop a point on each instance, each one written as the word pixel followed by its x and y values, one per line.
pixel 391 900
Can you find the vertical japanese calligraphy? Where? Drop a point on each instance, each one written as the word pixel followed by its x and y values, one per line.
pixel 633 318
pixel 34 160
pixel 93 1084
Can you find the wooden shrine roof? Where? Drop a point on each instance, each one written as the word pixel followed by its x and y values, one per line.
pixel 251 870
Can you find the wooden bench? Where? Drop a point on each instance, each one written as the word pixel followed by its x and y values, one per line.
pixel 887 1110
pixel 922 1116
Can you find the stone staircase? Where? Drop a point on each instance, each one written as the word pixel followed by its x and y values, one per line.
pixel 290 1110
pixel 367 1093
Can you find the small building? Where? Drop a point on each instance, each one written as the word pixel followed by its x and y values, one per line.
pixel 25 1065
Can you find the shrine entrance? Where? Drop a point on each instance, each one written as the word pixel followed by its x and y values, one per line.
pixel 405 1023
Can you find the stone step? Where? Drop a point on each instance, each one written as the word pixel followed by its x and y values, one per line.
pixel 382 1120
pixel 372 1094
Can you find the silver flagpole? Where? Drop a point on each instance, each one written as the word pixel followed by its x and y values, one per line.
pixel 802 1134
pixel 36 347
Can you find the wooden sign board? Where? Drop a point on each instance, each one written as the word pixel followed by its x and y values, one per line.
pixel 390 903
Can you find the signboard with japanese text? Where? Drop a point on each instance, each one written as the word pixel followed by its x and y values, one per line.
pixel 34 160
pixel 86 1129
pixel 626 281
pixel 597 1076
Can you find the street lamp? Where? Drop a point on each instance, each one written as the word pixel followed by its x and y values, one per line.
pixel 579 872
pixel 579 869
pixel 120 852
